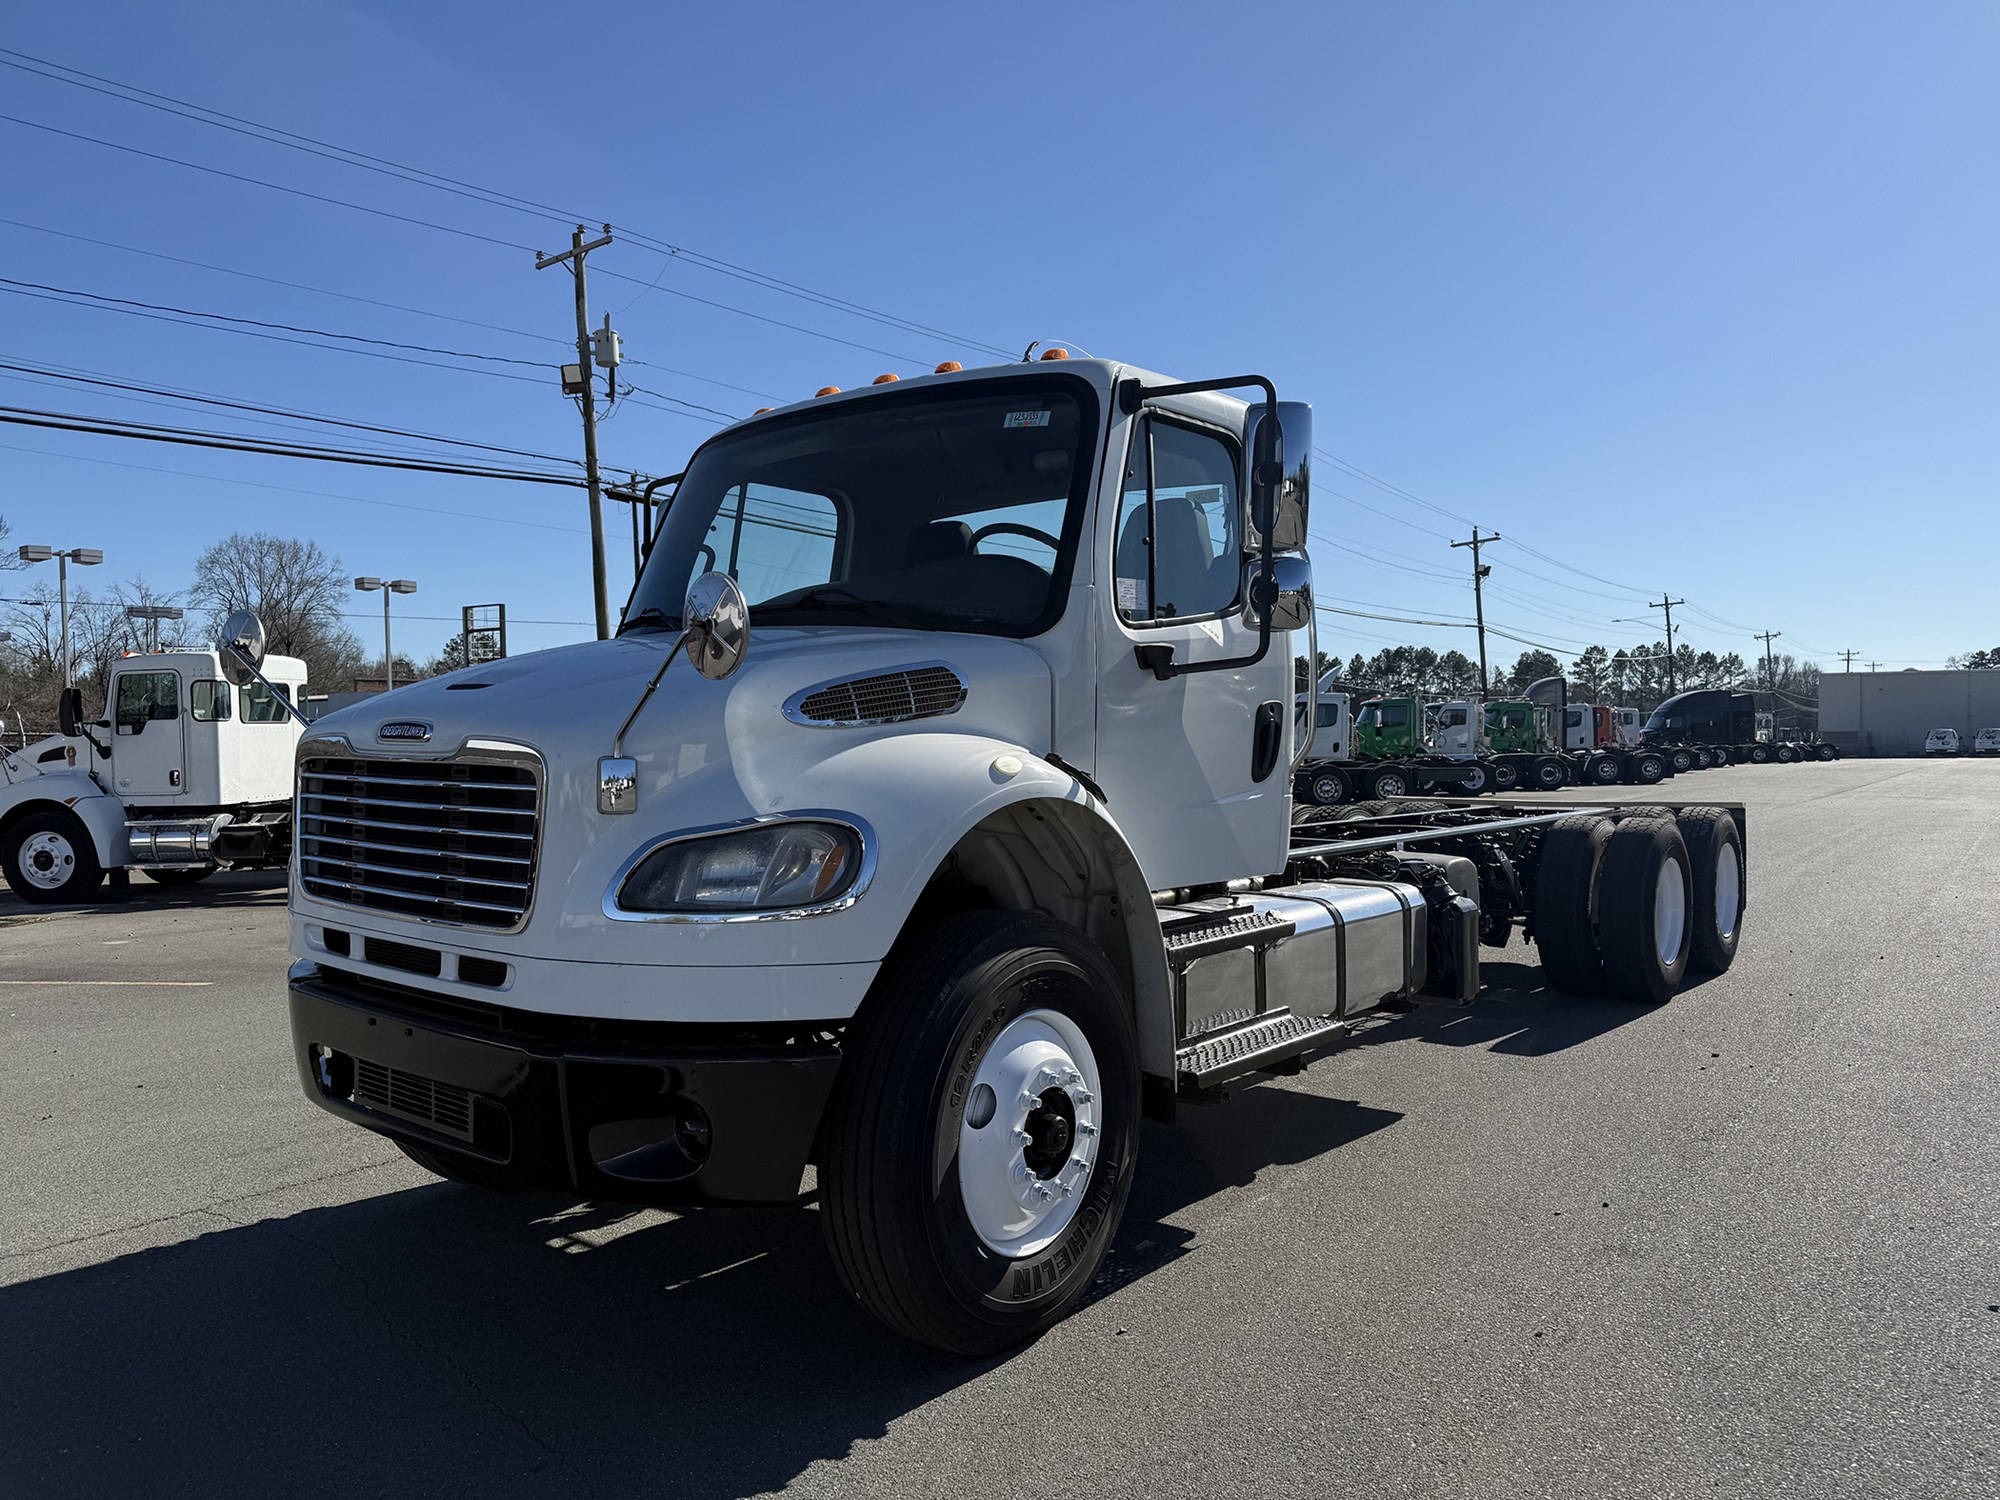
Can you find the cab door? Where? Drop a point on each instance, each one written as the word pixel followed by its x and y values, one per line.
pixel 1195 768
pixel 148 747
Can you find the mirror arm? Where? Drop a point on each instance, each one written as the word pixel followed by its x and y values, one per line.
pixel 618 740
pixel 269 687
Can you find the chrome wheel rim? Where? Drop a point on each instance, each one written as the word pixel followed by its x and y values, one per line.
pixel 1029 1133
pixel 46 860
pixel 1669 912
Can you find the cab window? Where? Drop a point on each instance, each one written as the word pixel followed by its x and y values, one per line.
pixel 261 706
pixel 145 698
pixel 208 700
pixel 771 540
pixel 1180 545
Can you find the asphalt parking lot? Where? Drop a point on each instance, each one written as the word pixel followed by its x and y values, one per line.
pixel 1745 1243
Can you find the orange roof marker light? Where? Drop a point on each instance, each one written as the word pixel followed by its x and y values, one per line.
pixel 827 390
pixel 1056 353
pixel 885 380
pixel 949 367
pixel 761 410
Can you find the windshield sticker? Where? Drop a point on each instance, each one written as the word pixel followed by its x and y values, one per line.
pixel 1026 419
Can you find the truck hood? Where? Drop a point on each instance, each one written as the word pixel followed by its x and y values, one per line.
pixel 707 752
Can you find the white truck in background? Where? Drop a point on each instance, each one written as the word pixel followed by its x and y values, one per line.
pixel 190 771
pixel 965 840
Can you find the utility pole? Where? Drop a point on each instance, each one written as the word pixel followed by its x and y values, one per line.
pixel 1663 602
pixel 1770 670
pixel 1847 660
pixel 1479 598
pixel 1874 665
pixel 578 249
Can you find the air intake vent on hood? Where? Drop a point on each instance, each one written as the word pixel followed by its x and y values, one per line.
pixel 928 690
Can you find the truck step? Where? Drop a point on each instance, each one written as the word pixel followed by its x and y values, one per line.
pixel 1252 1048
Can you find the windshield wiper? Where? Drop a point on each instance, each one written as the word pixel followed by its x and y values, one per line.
pixel 652 614
pixel 833 595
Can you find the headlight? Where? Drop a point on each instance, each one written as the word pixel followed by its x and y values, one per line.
pixel 754 869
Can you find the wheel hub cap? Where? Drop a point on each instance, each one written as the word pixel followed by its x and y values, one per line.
pixel 47 859
pixel 1728 891
pixel 1669 912
pixel 1028 1137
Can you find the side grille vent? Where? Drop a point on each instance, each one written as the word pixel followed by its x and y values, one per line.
pixel 928 691
pixel 411 1096
pixel 405 956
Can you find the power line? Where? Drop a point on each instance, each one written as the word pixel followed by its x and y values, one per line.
pixel 286 489
pixel 324 333
pixel 421 312
pixel 58 373
pixel 421 177
pixel 196 438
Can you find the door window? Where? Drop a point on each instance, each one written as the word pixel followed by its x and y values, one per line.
pixel 144 697
pixel 209 701
pixel 261 705
pixel 771 540
pixel 1180 544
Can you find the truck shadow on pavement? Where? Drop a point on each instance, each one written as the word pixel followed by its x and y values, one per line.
pixel 242 890
pixel 1518 1014
pixel 445 1340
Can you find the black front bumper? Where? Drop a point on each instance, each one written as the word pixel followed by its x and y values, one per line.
pixel 641 1114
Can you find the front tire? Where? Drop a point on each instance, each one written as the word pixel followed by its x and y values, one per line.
pixel 49 859
pixel 982 1136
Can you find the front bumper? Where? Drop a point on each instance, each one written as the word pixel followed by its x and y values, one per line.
pixel 682 1114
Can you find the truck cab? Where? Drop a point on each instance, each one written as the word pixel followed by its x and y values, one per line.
pixel 1388 729
pixel 186 772
pixel 929 819
pixel 1454 729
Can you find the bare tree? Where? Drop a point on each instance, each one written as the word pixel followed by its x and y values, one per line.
pixel 295 587
pixel 9 557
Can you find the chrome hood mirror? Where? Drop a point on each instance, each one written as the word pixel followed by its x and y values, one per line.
pixel 715 630
pixel 241 647
pixel 716 619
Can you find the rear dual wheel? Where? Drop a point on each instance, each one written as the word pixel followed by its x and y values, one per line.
pixel 1549 774
pixel 1326 787
pixel 1628 908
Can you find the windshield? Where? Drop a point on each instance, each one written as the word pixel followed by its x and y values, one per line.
pixel 950 508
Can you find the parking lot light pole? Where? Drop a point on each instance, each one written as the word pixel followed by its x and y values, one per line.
pixel 85 557
pixel 388 587
pixel 153 614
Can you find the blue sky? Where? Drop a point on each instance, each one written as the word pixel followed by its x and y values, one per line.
pixel 1695 297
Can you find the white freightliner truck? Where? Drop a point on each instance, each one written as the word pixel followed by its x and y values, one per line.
pixel 190 771
pixel 964 838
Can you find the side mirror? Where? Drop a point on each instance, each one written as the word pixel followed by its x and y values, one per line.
pixel 241 642
pixel 1285 454
pixel 716 618
pixel 69 712
pixel 1286 592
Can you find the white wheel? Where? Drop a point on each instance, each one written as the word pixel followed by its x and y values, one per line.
pixel 1728 890
pixel 47 860
pixel 1670 911
pixel 1028 1140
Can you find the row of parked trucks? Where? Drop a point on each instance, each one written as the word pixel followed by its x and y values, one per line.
pixel 964 841
pixel 1395 747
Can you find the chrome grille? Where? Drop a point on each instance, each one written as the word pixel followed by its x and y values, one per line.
pixel 447 840
pixel 924 692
